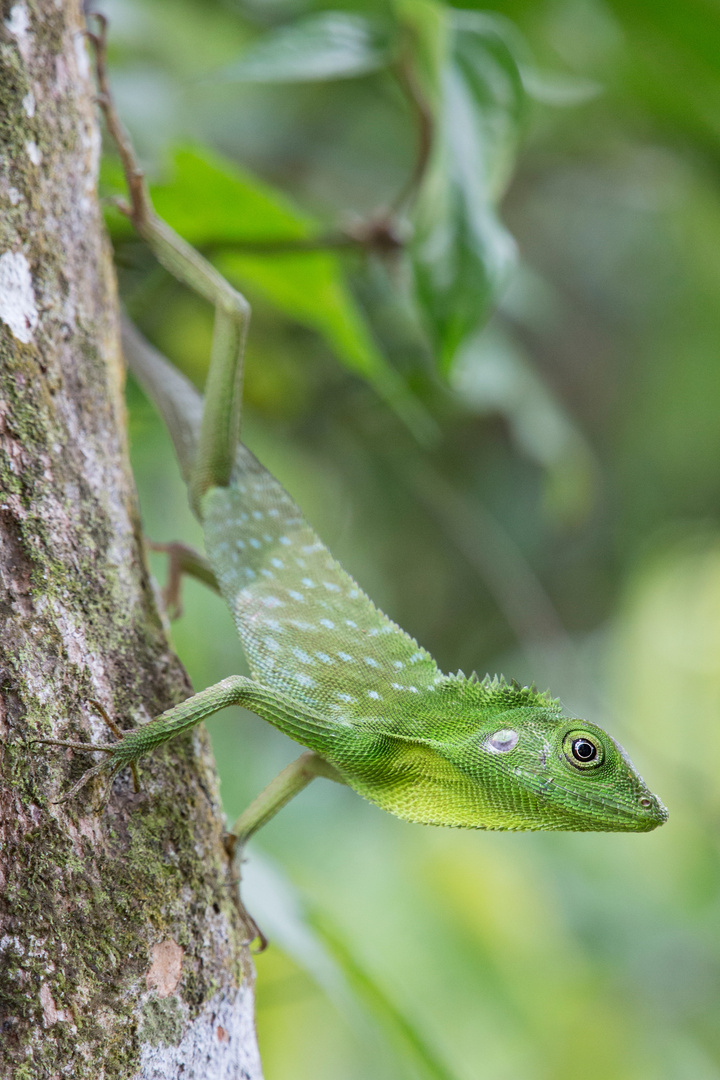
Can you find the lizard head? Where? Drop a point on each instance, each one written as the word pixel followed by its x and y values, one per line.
pixel 504 757
pixel 551 772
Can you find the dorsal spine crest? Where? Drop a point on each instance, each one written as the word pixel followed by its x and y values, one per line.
pixel 494 691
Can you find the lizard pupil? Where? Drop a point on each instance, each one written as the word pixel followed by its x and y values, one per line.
pixel 584 751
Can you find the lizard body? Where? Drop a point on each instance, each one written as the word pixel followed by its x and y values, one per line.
pixel 328 668
pixel 361 693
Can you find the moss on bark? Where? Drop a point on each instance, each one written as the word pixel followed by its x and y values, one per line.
pixel 85 896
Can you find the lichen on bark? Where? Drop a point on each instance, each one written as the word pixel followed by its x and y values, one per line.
pixel 85 897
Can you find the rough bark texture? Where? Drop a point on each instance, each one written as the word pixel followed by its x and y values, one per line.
pixel 120 947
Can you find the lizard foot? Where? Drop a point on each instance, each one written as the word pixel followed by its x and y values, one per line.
pixel 108 765
pixel 182 560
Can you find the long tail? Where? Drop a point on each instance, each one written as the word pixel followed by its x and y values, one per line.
pixel 177 400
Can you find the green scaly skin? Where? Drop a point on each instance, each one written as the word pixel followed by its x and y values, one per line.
pixel 328 668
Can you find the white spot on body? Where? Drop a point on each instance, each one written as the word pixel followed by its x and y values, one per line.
pixel 272 601
pixel 346 697
pixel 374 694
pixel 285 540
pixel 349 622
pixel 17 297
pixel 370 662
pixel 14 196
pixel 271 644
pixel 398 665
pixel 267 573
pixel 277 564
pixel 304 657
pixel 325 658
pixel 302 679
pixel 331 586
pixel 308 583
pixel 254 542
pixel 28 104
pixel 296 595
pixel 32 151
pixel 328 623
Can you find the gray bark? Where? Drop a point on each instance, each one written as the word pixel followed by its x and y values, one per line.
pixel 121 949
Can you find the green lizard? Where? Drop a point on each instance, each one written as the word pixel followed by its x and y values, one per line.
pixel 328 668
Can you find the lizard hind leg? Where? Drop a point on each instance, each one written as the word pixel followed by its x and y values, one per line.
pixel 278 793
pixel 220 425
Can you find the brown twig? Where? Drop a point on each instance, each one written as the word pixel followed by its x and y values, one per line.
pixel 380 234
pixel 410 84
pixel 140 208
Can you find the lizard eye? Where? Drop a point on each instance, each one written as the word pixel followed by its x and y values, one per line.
pixel 502 741
pixel 583 751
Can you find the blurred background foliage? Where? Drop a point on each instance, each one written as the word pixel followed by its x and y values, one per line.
pixel 483 252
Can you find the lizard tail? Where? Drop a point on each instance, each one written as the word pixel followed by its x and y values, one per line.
pixel 177 400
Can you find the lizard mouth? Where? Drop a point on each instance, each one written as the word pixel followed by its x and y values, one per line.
pixel 642 814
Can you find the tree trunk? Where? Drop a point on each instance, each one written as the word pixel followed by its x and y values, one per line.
pixel 121 949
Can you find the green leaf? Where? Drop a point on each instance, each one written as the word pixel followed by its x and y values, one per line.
pixel 462 253
pixel 214 204
pixel 332 45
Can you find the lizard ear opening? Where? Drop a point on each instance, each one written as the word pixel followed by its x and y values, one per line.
pixel 501 742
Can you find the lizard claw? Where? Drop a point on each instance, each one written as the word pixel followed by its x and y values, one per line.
pixel 254 933
pixel 89 748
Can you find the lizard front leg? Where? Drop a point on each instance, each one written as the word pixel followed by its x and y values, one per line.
pixel 287 784
pixel 299 722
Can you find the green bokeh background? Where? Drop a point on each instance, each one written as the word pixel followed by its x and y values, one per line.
pixel 563 527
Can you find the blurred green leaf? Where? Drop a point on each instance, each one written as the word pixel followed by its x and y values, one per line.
pixel 493 374
pixel 316 944
pixel 213 203
pixel 462 253
pixel 405 1032
pixel 332 45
